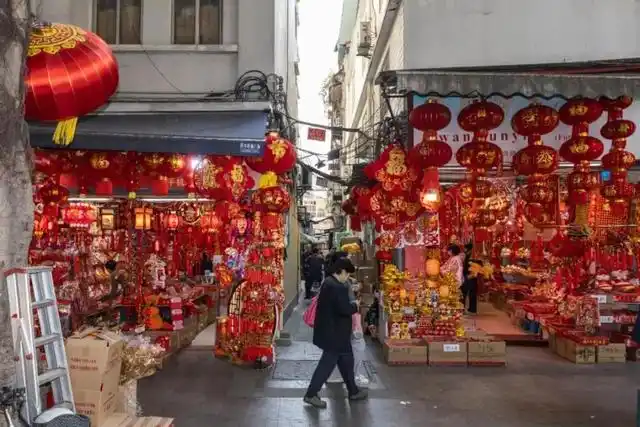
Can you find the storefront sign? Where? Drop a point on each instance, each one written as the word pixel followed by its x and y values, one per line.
pixel 316 134
pixel 507 139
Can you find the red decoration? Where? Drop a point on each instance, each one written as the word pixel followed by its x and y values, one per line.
pixel 618 191
pixel 210 222
pixel 79 215
pixel 271 199
pixel 175 165
pixel 393 172
pixel 279 156
pixel 172 221
pixel 430 116
pixel 581 149
pixel 207 180
pixel 53 194
pixel 480 115
pixel 234 180
pixel 70 73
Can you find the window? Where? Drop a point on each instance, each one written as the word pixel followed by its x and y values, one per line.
pixel 119 21
pixel 197 22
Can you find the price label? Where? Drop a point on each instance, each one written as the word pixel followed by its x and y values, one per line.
pixel 451 348
pixel 606 319
pixel 409 311
pixel 602 299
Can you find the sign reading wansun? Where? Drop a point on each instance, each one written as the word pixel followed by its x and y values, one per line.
pixel 511 142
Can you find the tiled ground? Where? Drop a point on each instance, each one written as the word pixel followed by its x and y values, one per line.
pixel 536 389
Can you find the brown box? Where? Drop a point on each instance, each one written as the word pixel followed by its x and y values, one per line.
pixel 94 360
pixel 611 353
pixel 487 353
pixel 405 352
pixel 577 353
pixel 552 340
pixel 174 339
pixel 447 353
pixel 560 345
pixel 633 354
pixel 366 275
pixel 97 405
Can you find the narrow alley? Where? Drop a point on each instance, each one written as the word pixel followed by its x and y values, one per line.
pixel 199 391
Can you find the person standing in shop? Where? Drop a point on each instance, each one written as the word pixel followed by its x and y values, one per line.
pixel 314 267
pixel 332 334
pixel 205 264
pixel 470 282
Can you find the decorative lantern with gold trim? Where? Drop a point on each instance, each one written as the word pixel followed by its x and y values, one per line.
pixel 70 73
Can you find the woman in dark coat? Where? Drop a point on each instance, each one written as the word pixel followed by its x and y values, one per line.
pixel 332 334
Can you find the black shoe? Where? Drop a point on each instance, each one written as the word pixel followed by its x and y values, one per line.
pixel 360 395
pixel 315 401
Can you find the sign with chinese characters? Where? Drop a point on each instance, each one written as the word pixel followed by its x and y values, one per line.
pixel 250 148
pixel 506 138
pixel 316 134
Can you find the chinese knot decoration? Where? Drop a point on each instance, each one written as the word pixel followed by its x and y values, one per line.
pixel 581 150
pixel 70 73
pixel 618 160
pixel 279 156
pixel 393 171
pixel 536 161
pixel 234 180
pixel 431 153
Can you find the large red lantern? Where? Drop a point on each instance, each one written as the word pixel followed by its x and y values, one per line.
pixel 270 197
pixel 618 191
pixel 480 155
pixel 70 73
pixel 581 149
pixel 279 156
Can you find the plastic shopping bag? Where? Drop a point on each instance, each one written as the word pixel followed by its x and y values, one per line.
pixel 356 325
pixel 309 316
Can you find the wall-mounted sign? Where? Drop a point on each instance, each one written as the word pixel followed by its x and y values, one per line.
pixel 316 134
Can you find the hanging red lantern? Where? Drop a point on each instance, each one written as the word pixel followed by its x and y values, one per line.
pixel 103 169
pixel 533 122
pixel 234 180
pixel 279 156
pixel 172 221
pixel 155 167
pixel 349 207
pixel 430 118
pixel 393 171
pixel 581 149
pixel 70 73
pixel 618 160
pixel 480 115
pixel 270 197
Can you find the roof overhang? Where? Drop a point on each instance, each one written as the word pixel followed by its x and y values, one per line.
pixel 569 80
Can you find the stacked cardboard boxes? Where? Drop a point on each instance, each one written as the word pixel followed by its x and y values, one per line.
pixel 122 420
pixel 94 362
pixel 447 353
pixel 405 352
pixel 575 352
pixel 611 353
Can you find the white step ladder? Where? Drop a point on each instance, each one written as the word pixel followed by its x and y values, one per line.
pixel 32 289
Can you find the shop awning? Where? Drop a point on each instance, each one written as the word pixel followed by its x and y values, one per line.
pixel 566 80
pixel 238 133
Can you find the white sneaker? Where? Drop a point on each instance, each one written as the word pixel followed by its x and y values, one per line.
pixel 362 381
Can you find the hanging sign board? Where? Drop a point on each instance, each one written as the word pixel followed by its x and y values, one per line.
pixel 316 134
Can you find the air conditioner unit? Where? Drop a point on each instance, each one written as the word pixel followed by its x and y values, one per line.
pixel 364 46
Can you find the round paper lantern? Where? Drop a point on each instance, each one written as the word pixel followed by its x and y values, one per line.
pixel 479 156
pixel 581 148
pixel 535 120
pixel 535 159
pixel 270 197
pixel 279 156
pixel 430 116
pixel 70 73
pixel 580 183
pixel 578 111
pixel 481 115
pixel 431 153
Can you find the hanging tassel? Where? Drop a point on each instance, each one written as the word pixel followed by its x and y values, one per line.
pixel 65 131
pixel 268 180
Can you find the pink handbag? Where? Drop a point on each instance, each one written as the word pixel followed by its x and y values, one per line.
pixel 309 316
pixel 356 323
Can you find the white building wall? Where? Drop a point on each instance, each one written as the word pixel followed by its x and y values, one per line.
pixel 455 33
pixel 255 36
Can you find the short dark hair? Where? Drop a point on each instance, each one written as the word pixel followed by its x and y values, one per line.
pixel 315 251
pixel 343 264
pixel 468 246
pixel 110 265
pixel 455 249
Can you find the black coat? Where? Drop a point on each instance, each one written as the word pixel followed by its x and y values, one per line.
pixel 314 268
pixel 332 328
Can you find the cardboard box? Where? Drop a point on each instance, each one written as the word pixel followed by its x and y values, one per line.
pixel 447 353
pixel 366 275
pixel 94 360
pixel 611 353
pixel 487 353
pixel 97 405
pixel 127 399
pixel 405 352
pixel 174 339
pixel 123 420
pixel 577 353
